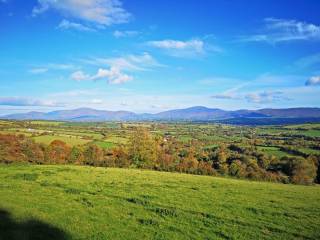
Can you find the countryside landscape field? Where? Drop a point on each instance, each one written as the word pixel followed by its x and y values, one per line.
pixel 103 202
pixel 159 120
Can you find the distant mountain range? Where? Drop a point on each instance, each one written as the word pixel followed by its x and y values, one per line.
pixel 197 113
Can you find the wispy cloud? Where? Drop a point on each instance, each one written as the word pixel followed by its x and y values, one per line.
pixel 284 30
pixel 18 101
pixel 195 45
pixel 74 93
pixel 232 93
pixel 178 48
pixel 276 89
pixel 66 25
pixel 265 96
pixel 252 97
pixel 226 95
pixel 313 81
pixel 308 61
pixel 125 34
pixel 100 13
pixel 38 70
pixel 60 66
pixel 131 62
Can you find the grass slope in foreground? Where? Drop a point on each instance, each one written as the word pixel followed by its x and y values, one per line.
pixel 100 203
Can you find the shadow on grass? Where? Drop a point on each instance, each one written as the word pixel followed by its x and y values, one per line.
pixel 31 229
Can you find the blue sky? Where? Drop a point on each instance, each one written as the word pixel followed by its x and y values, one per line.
pixel 150 56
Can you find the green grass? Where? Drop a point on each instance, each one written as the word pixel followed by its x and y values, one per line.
pixel 103 144
pixel 72 141
pixel 80 133
pixel 117 140
pixel 15 133
pixel 51 123
pixel 275 151
pixel 185 139
pixel 311 133
pixel 100 203
pixel 305 126
pixel 309 151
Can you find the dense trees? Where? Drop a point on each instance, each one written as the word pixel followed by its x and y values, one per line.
pixel 301 170
pixel 152 151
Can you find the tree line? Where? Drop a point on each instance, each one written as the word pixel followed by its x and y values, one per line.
pixel 147 151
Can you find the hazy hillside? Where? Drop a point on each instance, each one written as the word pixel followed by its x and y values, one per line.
pixel 197 113
pixel 291 112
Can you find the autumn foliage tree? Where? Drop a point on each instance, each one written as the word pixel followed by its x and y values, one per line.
pixel 142 148
pixel 58 152
pixel 121 157
pixel 303 171
pixel 10 148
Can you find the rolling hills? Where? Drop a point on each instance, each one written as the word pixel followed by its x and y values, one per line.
pixel 197 113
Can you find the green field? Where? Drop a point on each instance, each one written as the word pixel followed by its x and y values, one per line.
pixel 103 144
pixel 52 123
pixel 272 151
pixel 72 202
pixel 70 140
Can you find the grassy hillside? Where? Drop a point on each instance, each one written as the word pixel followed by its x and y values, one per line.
pixel 70 202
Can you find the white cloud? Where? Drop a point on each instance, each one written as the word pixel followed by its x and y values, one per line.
pixel 38 70
pixel 124 34
pixel 19 101
pixel 116 70
pixel 285 30
pixel 313 81
pixel 112 75
pixel 80 76
pixel 180 48
pixel 142 62
pixel 65 25
pixel 99 12
pixel 196 45
pixel 191 48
